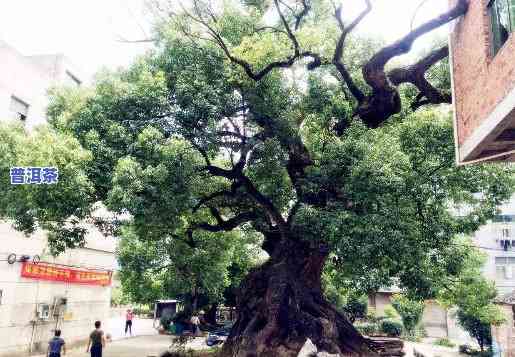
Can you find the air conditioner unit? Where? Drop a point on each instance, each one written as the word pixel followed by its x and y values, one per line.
pixel 43 311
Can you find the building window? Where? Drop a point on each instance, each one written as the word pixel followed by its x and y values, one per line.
pixel 506 218
pixel 504 268
pixel 502 17
pixel 19 109
pixel 71 80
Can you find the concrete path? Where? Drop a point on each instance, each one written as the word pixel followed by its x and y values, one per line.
pixel 140 327
pixel 141 346
pixel 430 350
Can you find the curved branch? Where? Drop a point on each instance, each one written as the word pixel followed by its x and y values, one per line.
pixel 415 74
pixel 306 7
pixel 373 71
pixel 338 52
pixel 246 66
pixel 223 225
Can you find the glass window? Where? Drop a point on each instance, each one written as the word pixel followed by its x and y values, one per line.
pixel 499 272
pixel 500 260
pixel 507 218
pixel 504 268
pixel 19 108
pixel 502 16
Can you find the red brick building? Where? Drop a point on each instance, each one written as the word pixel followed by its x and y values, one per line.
pixel 482 51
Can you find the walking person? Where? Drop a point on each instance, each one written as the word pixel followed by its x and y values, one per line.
pixel 96 341
pixel 195 322
pixel 128 321
pixel 55 345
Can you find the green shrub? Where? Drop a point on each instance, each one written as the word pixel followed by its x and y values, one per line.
pixel 409 310
pixel 476 328
pixel 355 307
pixel 142 311
pixel 468 350
pixel 465 349
pixel 390 313
pixel 415 336
pixel 445 342
pixel 367 328
pixel 372 317
pixel 391 328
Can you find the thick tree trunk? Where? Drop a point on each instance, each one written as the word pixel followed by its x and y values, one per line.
pixel 281 304
pixel 210 315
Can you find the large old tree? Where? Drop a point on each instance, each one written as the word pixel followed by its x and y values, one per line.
pixel 250 117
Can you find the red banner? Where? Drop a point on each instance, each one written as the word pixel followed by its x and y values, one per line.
pixel 43 271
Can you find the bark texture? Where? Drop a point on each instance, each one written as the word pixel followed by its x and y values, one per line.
pixel 281 304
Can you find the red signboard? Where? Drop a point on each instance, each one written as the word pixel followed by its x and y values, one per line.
pixel 43 271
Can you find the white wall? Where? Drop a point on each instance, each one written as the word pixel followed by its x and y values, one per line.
pixel 487 239
pixel 21 78
pixel 21 295
pixel 29 78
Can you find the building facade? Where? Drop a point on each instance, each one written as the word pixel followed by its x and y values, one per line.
pixel 497 241
pixel 482 48
pixel 61 292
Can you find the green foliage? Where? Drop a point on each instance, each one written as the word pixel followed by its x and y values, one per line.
pixel 367 328
pixel 118 298
pixel 471 292
pixel 167 267
pixel 391 328
pixel 468 350
pixel 143 142
pixel 445 342
pixel 477 328
pixel 474 296
pixel 57 208
pixel 355 307
pixel 391 313
pixel 409 310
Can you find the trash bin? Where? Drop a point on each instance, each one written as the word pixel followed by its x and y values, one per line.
pixel 172 329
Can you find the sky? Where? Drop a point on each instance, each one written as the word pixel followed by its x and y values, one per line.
pixel 89 31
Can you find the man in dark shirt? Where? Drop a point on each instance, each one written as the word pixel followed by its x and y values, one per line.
pixel 55 345
pixel 96 341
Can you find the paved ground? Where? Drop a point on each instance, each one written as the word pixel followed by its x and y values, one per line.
pixel 141 346
pixel 140 327
pixel 430 350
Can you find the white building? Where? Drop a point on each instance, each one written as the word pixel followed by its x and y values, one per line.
pixel 31 308
pixel 497 240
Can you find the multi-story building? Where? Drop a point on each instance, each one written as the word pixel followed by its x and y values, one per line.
pixel 72 290
pixel 482 48
pixel 497 241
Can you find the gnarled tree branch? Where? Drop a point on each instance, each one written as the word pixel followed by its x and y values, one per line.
pixel 415 74
pixel 338 52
